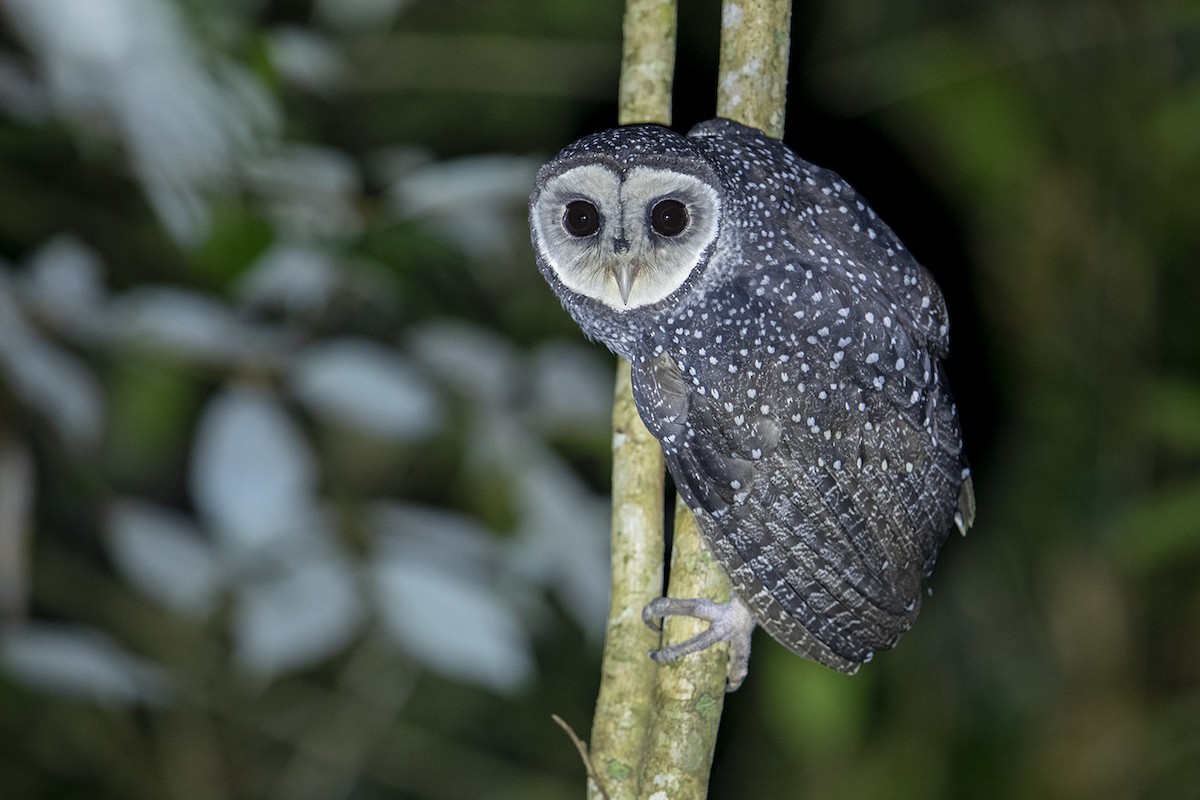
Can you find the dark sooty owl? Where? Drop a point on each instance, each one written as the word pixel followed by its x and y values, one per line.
pixel 786 352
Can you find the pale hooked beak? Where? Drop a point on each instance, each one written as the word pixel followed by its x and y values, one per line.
pixel 624 271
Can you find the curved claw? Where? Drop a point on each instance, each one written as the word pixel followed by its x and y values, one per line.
pixel 729 622
pixel 651 615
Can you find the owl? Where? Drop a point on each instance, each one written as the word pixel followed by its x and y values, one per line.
pixel 786 351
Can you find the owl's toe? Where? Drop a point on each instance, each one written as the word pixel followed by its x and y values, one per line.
pixel 729 622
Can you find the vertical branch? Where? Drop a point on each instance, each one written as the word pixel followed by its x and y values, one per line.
pixel 655 729
pixel 647 62
pixel 690 693
pixel 625 704
pixel 752 75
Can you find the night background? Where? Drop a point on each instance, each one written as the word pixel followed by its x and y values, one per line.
pixel 304 471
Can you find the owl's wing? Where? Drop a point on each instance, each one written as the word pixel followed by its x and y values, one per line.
pixel 826 539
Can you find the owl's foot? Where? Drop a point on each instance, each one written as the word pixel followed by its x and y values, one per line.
pixel 729 622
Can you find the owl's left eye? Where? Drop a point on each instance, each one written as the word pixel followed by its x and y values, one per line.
pixel 581 218
pixel 669 218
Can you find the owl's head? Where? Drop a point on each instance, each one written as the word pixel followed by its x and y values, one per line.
pixel 624 218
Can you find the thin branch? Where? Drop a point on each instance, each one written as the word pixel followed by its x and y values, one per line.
pixel 752 75
pixel 647 62
pixel 582 748
pixel 690 693
pixel 655 728
pixel 625 704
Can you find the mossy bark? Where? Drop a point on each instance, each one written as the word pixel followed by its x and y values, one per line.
pixel 752 73
pixel 625 705
pixel 655 728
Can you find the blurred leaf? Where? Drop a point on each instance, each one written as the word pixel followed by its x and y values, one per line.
pixel 1162 527
pixel 451 622
pixel 563 538
pixel 471 359
pixel 180 118
pixel 184 324
pixel 253 475
pixel 80 662
pixel 455 540
pixel 1171 412
pixel 310 189
pixel 164 555
pixel 65 281
pixel 471 201
pixel 297 617
pixel 363 385
pixel 305 58
pixel 294 277
pixel 572 389
pixel 51 380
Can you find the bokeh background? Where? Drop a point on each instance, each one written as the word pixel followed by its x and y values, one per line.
pixel 303 471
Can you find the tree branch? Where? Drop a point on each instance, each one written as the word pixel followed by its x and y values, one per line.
pixel 752 75
pixel 655 728
pixel 690 693
pixel 625 704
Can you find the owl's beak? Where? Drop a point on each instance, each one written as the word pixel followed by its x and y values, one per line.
pixel 624 271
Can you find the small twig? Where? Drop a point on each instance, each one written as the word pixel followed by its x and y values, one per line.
pixel 582 748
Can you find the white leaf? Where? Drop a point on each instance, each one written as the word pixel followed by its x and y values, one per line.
pixel 298 617
pixel 572 388
pixel 563 538
pixel 312 190
pixel 452 623
pixel 80 662
pixel 296 277
pixel 183 322
pixel 359 383
pixel 472 201
pixel 485 181
pixel 65 280
pixel 306 58
pixel 473 360
pixel 402 529
pixel 131 69
pixel 165 556
pixel 48 378
pixel 253 475
pixel 297 169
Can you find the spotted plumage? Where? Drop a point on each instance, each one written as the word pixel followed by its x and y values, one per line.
pixel 786 351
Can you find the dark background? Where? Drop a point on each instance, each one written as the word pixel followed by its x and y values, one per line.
pixel 303 471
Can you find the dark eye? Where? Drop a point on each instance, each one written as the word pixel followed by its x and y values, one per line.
pixel 669 218
pixel 581 218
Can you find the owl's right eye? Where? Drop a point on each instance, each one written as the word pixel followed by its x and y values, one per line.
pixel 581 218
